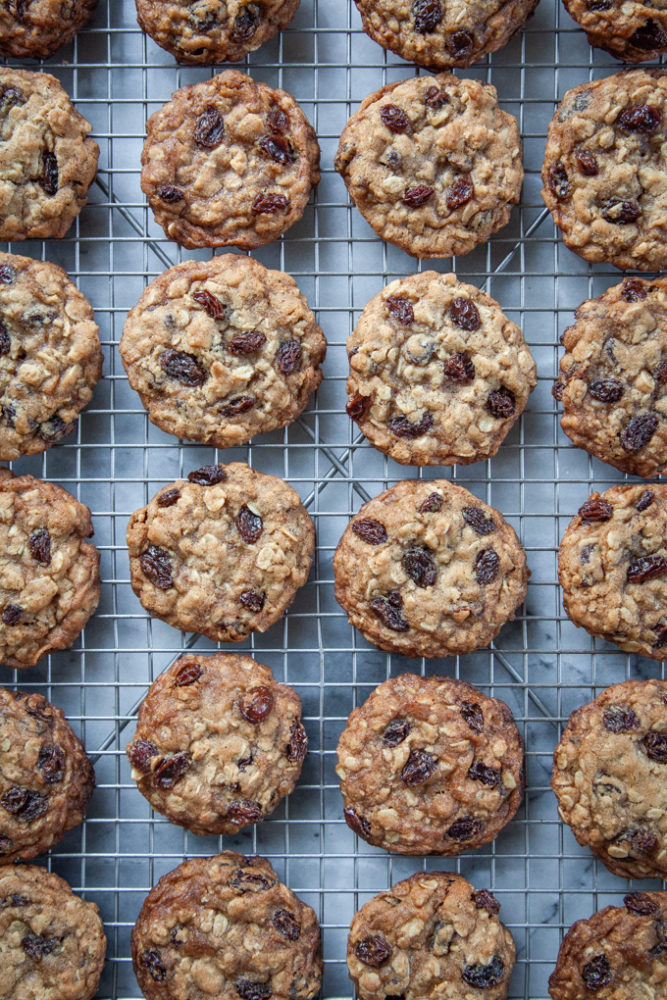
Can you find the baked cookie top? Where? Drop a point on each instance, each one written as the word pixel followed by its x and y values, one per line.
pixel 49 574
pixel 612 566
pixel 228 161
pixel 604 172
pixel 226 927
pixel 218 743
pixel 46 779
pixel 222 553
pixel 430 765
pixel 47 160
pixel 39 28
pixel 432 163
pixel 222 350
pixel 438 375
pixel 618 952
pixel 441 33
pixel 427 569
pixel 211 31
pixel 432 933
pixel 632 30
pixel 609 777
pixel 50 355
pixel 53 943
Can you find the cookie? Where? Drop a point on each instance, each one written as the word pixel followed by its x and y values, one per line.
pixel 38 28
pixel 612 566
pixel 222 553
pixel 229 161
pixel 53 943
pixel 438 375
pixel 222 350
pixel 218 743
pixel 212 31
pixel 50 355
pixel 613 376
pixel 226 927
pixel 430 935
pixel 604 174
pixel 47 160
pixel 442 33
pixel 631 30
pixel 618 952
pixel 427 569
pixel 429 765
pixel 433 164
pixel 49 574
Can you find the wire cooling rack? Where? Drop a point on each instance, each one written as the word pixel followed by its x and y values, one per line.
pixel 541 665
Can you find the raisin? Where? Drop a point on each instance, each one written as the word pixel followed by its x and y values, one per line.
pixel 245 812
pixel 587 163
pixel 461 44
pixel 52 429
pixel 48 180
pixel 402 428
pixel 418 768
pixel 645 500
pixel 415 197
pixel 246 343
pixel 188 674
pixel 480 524
pixel 277 120
pixel 465 314
pixel 373 951
pixel 51 762
pixel 394 118
pixel 646 568
pixel 246 23
pixel 249 524
pixel 357 405
pixel 420 566
pixel 40 546
pixel 388 609
pixel 208 475
pixel 607 390
pixel 250 989
pixel 500 403
pixel 370 530
pixel 557 390
pixel 250 881
pixel 427 15
pixel 431 505
pixel 7 274
pixel 619 719
pixel 183 367
pixel 459 368
pixel 640 904
pixel 245 762
pixel 10 97
pixel 459 193
pixel 297 747
pixel 210 302
pixel 396 732
pixel 486 566
pixel 622 213
pixel 238 405
pixel 23 803
pixel 11 614
pixel 170 770
pixel 168 498
pixel 639 432
pixel 36 946
pixel 277 148
pixel 485 900
pixel 209 129
pixel 169 194
pixel 436 98
pixel 5 340
pixel 14 899
pixel 473 715
pixel 660 374
pixel 401 309
pixel 599 4
pixel 559 184
pixel 288 357
pixel 643 841
pixel 480 772
pixel 270 203
pixel 252 600
pixel 649 36
pixel 357 823
pixel 596 973
pixel 156 567
pixel 633 290
pixel 140 753
pixel 483 977
pixel 644 118
pixel 151 961
pixel 655 745
pixel 287 925
pixel 256 704
pixel 595 509
pixel 661 637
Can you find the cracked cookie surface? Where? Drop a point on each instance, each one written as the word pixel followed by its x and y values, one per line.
pixel 47 160
pixel 618 952
pixel 427 569
pixel 612 566
pixel 631 30
pixel 429 765
pixel 222 350
pixel 229 161
pixel 38 28
pixel 218 743
pixel 609 777
pixel 223 553
pixel 605 173
pixel 50 355
pixel 211 31
pixel 226 927
pixel 432 163
pixel 430 934
pixel 49 574
pixel 438 375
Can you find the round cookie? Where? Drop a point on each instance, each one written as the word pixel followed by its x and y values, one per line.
pixel 212 31
pixel 223 553
pixel 631 30
pixel 618 952
pixel 431 934
pixel 218 743
pixel 430 765
pixel 442 33
pixel 427 569
pixel 49 574
pixel 39 28
pixel 226 927
pixel 50 355
pixel 614 375
pixel 46 779
pixel 53 943
pixel 609 778
pixel 229 161
pixel 438 375
pixel 47 160
pixel 433 164
pixel 612 566
pixel 222 350
pixel 605 172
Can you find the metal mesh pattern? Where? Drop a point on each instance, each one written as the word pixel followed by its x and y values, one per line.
pixel 541 665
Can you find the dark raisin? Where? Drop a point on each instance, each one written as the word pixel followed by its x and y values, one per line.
pixel 643 841
pixel 622 213
pixel 396 732
pixel 356 406
pixel 607 390
pixel 645 500
pixel 646 568
pixel 256 704
pixel 250 881
pixel 48 180
pixel 427 15
pixel 486 566
pixel 53 429
pixel 595 509
pixel 51 762
pixel 417 195
pixel 459 368
pixel 10 97
pixel 7 274
pixel 40 546
pixel 246 22
pixel 436 98
pixel 500 403
pixel 599 4
pixel 481 525
pixel 151 961
pixel 277 148
pixel 460 44
pixel 557 390
pixel 14 899
pixel 249 524
pixel 420 566
pixel 661 637
pixel 645 118
pixel 277 120
pixel 297 747
pixel 210 302
pixel 140 754
pixel 11 614
pixel 209 129
pixel 188 674
pixel 649 36
pixel 660 373
pixel 23 803
pixel 182 366
pixel 640 904
pixel 633 290
pixel 465 314
pixel 250 989
pixel 483 977
pixel 459 193
pixel 270 203
pixel 36 946
pixel 169 194
pixel 431 505
pixel 5 340
pixel 619 719
pixel 394 118
pixel 373 951
pixel 388 609
pixel 401 427
pixel 655 745
pixel 485 900
pixel 639 432
pixel 238 405
pixel 401 309
pixel 418 768
pixel 170 770
pixel 252 600
pixel 596 973
pixel 481 772
pixel 244 813
pixel 168 498
pixel 288 357
pixel 208 475
pixel 246 343
pixel 587 163
pixel 473 715
pixel 287 925
pixel 559 185
pixel 156 567
pixel 370 530
pixel 357 823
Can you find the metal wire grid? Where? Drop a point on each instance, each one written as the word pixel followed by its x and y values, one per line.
pixel 541 665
